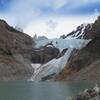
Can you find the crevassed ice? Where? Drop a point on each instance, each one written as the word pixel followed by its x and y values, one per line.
pixel 63 43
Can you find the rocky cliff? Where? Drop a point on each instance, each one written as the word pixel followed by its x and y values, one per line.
pixel 15 55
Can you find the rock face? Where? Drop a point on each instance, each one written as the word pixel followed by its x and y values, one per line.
pixel 85 58
pixel 12 40
pixel 90 73
pixel 15 55
pixel 44 54
pixel 14 68
pixel 87 55
pixel 95 30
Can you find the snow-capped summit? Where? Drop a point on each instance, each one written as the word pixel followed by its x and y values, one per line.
pixel 81 32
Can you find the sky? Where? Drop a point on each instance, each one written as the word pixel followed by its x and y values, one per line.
pixel 50 18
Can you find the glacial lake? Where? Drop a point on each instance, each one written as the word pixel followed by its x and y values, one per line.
pixel 40 90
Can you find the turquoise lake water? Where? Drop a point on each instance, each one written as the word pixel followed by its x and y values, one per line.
pixel 40 90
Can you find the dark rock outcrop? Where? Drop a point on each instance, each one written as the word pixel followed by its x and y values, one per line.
pixel 81 32
pixel 44 54
pixel 88 31
pixel 95 30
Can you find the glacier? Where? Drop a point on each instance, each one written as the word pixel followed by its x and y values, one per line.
pixel 56 65
pixel 63 43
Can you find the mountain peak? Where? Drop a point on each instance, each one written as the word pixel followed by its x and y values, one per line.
pixel 3 21
pixel 80 32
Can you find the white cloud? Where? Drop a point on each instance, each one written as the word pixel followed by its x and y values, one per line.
pixel 24 11
pixel 64 26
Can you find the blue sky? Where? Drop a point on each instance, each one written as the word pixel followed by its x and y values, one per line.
pixel 56 17
pixel 4 4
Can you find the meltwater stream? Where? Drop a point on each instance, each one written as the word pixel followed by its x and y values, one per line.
pixel 40 90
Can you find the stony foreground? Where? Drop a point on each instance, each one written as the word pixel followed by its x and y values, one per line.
pixel 88 94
